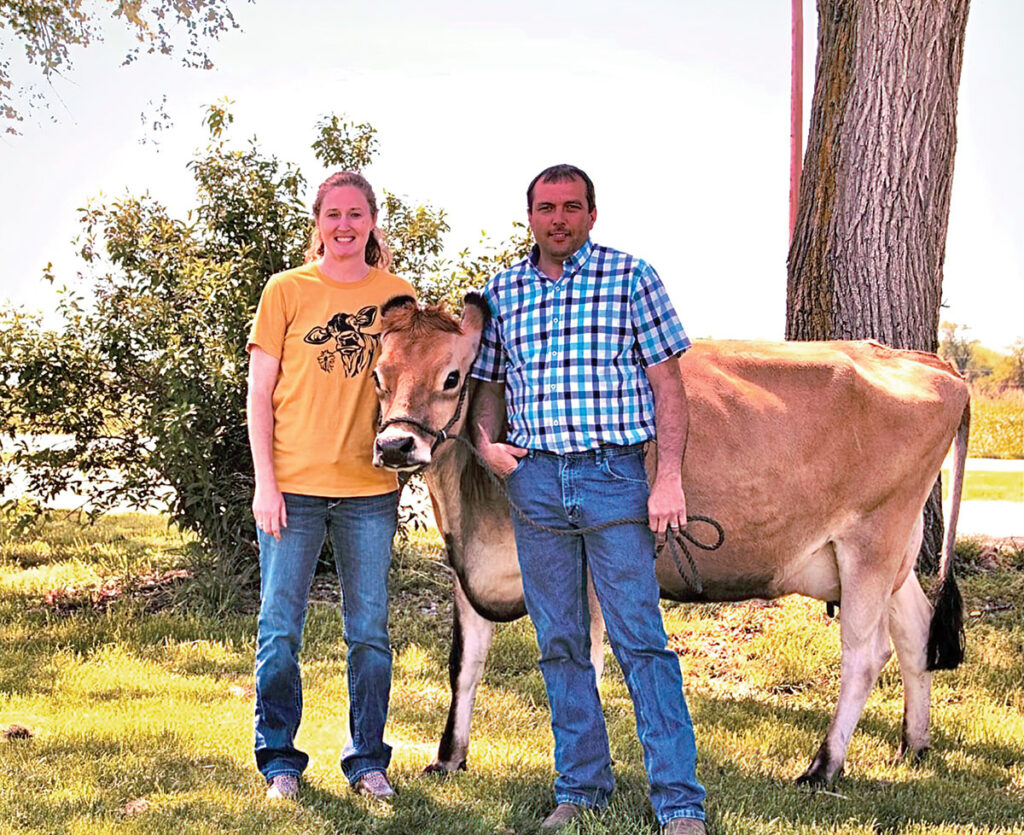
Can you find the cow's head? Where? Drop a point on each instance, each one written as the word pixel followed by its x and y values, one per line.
pixel 350 342
pixel 425 357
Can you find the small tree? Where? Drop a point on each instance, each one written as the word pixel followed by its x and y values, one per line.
pixel 995 371
pixel 956 345
pixel 1015 377
pixel 146 375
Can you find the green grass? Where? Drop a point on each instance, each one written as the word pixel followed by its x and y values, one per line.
pixel 988 486
pixel 997 425
pixel 141 711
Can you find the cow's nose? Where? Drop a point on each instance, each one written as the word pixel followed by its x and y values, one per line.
pixel 395 452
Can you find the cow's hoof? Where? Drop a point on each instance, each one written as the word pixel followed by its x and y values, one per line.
pixel 912 757
pixel 822 771
pixel 816 777
pixel 439 769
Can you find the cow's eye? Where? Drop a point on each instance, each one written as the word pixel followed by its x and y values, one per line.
pixel 451 381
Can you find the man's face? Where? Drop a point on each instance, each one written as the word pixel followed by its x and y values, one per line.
pixel 559 218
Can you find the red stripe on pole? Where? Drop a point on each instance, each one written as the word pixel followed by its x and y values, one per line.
pixel 796 114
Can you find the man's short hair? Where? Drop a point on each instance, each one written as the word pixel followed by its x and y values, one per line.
pixel 561 174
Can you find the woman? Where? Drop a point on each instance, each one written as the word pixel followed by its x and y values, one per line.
pixel 312 411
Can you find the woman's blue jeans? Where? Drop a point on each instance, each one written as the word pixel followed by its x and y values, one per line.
pixel 580 490
pixel 361 530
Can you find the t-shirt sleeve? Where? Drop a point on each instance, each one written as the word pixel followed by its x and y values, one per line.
pixel 270 322
pixel 490 360
pixel 659 333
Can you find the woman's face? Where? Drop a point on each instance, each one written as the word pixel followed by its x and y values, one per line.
pixel 345 222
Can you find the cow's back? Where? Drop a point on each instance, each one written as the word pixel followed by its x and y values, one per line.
pixel 792 443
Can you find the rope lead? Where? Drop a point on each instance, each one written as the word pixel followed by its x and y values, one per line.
pixel 681 537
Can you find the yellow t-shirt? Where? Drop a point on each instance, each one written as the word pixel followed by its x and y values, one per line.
pixel 327 336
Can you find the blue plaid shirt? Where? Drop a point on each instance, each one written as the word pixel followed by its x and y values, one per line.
pixel 573 352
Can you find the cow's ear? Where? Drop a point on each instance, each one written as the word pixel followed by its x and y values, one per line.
pixel 475 314
pixel 364 318
pixel 396 303
pixel 317 336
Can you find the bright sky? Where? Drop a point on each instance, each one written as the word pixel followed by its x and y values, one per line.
pixel 678 109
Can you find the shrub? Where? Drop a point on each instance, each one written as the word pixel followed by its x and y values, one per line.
pixel 997 425
pixel 145 375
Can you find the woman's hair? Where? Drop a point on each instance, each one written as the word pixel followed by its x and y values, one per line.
pixel 377 252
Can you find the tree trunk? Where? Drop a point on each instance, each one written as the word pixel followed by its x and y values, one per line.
pixel 867 252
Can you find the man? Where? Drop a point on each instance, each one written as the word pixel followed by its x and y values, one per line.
pixel 584 343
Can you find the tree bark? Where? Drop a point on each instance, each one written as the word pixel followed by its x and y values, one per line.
pixel 867 252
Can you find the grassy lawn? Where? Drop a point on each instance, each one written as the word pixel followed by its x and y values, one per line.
pixel 989 486
pixel 139 703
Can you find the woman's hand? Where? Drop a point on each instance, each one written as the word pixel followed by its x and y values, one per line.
pixel 268 509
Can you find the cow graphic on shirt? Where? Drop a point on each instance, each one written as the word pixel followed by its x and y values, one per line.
pixel 352 345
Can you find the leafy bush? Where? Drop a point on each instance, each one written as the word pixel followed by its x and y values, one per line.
pixel 997 425
pixel 144 379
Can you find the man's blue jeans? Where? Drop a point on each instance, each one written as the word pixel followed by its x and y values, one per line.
pixel 574 491
pixel 361 530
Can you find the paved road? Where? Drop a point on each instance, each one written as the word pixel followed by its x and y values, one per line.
pixel 1002 465
pixel 991 518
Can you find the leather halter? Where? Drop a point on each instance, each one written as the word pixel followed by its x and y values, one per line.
pixel 439 435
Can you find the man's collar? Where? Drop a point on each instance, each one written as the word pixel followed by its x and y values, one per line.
pixel 572 264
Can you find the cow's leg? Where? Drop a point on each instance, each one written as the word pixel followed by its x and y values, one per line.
pixel 471 641
pixel 909 616
pixel 865 649
pixel 596 629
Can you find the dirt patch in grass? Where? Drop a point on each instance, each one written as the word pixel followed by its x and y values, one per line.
pixel 16 732
pixel 155 590
pixel 988 553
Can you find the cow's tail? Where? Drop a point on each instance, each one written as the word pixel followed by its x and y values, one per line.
pixel 946 633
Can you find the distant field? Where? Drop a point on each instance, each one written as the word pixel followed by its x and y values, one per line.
pixel 997 425
pixel 988 486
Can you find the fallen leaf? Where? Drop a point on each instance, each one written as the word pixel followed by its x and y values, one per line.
pixel 134 807
pixel 16 732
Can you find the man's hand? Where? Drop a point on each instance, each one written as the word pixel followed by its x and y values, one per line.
pixel 268 509
pixel 666 507
pixel 501 458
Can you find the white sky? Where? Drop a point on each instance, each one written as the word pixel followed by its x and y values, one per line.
pixel 678 109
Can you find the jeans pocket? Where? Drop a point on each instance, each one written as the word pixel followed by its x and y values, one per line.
pixel 628 468
pixel 518 468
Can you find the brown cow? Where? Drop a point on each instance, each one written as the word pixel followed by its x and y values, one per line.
pixel 817 459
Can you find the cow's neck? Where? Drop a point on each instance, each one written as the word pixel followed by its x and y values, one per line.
pixel 443 480
pixel 465 496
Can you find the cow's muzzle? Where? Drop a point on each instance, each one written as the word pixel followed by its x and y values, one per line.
pixel 399 452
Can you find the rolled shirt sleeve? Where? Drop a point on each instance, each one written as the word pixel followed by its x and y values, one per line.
pixel 490 360
pixel 270 322
pixel 659 333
